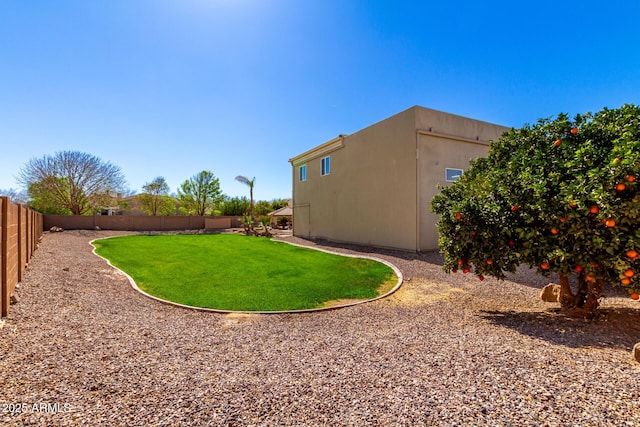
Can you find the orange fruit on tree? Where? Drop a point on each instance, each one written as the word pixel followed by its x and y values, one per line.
pixel 458 216
pixel 625 281
pixel 557 143
pixel 635 296
pixel 633 254
pixel 578 268
pixel 621 187
pixel 630 178
pixel 554 230
pixel 610 223
pixel 544 266
pixel 489 261
pixel 574 130
pixel 629 273
pixel 594 209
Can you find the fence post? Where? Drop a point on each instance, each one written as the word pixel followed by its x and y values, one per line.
pixel 21 248
pixel 4 249
pixel 32 232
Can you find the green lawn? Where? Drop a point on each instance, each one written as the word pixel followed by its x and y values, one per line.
pixel 233 272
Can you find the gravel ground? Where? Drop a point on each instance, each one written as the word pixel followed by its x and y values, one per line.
pixel 83 348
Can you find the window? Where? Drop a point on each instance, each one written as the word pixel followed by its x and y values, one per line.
pixel 326 166
pixel 303 173
pixel 452 175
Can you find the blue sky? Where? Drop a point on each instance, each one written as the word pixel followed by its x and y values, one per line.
pixel 172 87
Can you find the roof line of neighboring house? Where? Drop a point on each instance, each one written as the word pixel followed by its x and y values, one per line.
pixel 285 211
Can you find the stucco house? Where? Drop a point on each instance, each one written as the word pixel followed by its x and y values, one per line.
pixel 374 187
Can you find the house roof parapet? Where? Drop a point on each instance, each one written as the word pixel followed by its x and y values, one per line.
pixel 319 151
pixel 429 132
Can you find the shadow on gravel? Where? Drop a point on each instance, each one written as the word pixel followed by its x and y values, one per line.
pixel 431 257
pixel 616 328
pixel 524 275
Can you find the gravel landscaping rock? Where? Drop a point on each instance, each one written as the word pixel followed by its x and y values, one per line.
pixel 83 348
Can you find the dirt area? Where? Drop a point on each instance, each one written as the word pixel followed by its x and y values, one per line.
pixel 83 348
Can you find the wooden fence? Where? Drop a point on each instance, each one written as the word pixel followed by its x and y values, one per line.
pixel 20 230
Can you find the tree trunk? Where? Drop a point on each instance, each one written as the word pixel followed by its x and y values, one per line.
pixel 594 293
pixel 585 301
pixel 251 202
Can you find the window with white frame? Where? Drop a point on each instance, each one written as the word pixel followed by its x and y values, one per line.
pixel 326 166
pixel 452 175
pixel 302 174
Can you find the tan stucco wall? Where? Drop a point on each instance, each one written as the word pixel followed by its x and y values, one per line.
pixel 369 196
pixel 435 155
pixel 383 179
pixel 445 141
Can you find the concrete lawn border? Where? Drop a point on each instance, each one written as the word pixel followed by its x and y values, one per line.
pixel 395 269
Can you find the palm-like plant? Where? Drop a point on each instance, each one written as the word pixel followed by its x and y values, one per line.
pixel 249 219
pixel 250 183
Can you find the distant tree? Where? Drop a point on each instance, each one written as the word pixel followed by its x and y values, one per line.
pixel 262 207
pixel 16 196
pixel 234 206
pixel 45 201
pixel 200 194
pixel 71 180
pixel 250 183
pixel 124 206
pixel 155 198
pixel 279 204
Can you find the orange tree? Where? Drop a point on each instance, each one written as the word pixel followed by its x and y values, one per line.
pixel 560 196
